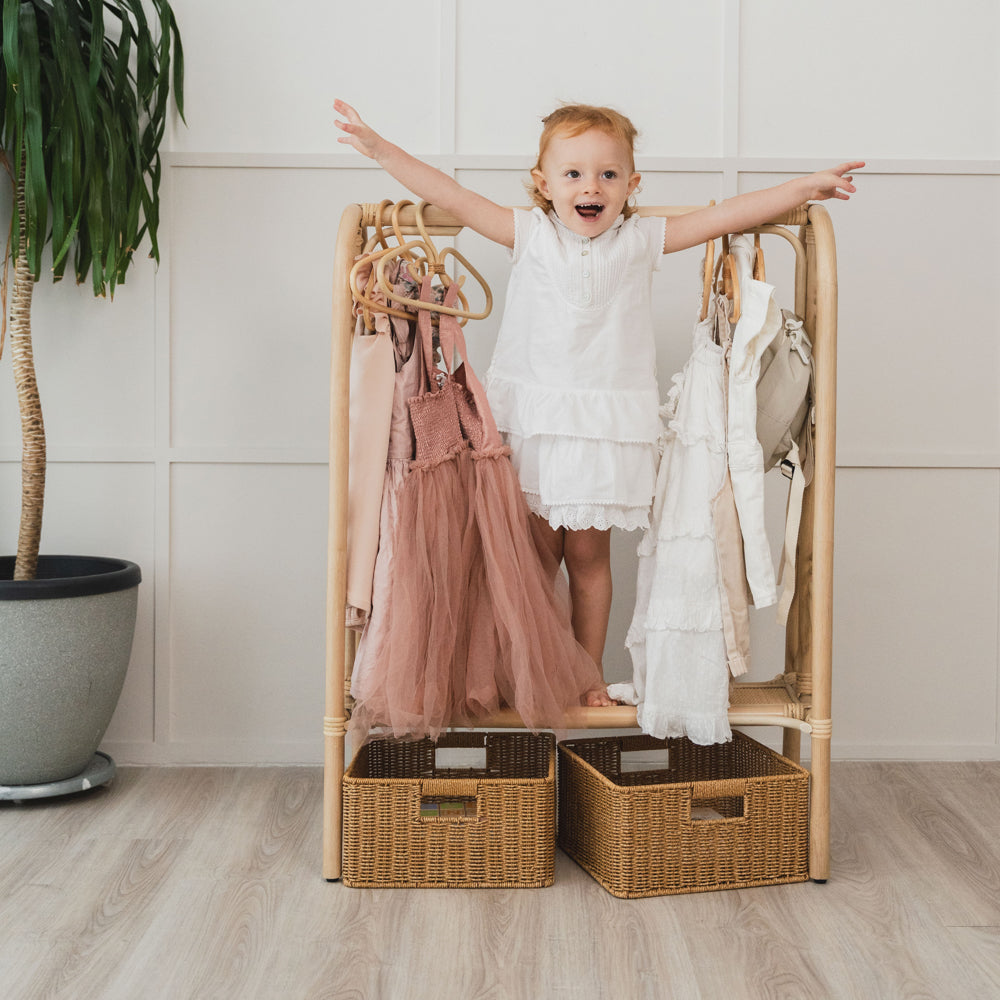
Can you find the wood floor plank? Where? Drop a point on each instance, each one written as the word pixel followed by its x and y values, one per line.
pixel 980 948
pixel 195 883
pixel 937 834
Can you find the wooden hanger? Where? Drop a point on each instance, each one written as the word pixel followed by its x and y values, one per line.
pixel 421 257
pixel 730 280
pixel 759 272
pixel 376 247
pixel 708 270
pixel 378 252
pixel 416 258
pixel 378 237
pixel 436 265
pixel 364 296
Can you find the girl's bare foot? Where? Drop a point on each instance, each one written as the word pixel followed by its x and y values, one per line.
pixel 598 697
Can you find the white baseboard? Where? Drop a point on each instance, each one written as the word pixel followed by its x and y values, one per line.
pixel 215 753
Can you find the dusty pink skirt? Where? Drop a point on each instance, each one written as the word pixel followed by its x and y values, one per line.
pixel 475 618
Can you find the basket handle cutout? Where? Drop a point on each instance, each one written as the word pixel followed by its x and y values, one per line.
pixel 448 799
pixel 720 809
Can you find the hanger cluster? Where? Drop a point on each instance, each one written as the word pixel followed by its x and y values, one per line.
pixel 723 275
pixel 422 258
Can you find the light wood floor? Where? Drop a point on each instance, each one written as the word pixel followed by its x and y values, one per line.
pixel 204 884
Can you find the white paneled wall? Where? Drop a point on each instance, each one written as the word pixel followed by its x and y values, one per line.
pixel 188 418
pixel 520 58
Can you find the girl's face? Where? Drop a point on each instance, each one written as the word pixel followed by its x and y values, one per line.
pixel 588 178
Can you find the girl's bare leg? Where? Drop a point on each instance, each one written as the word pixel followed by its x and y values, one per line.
pixel 548 539
pixel 588 563
pixel 590 622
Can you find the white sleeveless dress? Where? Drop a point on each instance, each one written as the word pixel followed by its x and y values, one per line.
pixel 572 383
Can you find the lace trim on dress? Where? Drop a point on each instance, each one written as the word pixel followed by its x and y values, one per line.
pixel 580 516
pixel 702 729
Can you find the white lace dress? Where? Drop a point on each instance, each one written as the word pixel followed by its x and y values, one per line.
pixel 572 383
pixel 680 674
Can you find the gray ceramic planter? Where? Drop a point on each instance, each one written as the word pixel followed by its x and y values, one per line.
pixel 65 642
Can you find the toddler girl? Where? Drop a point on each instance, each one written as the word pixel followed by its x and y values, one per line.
pixel 572 384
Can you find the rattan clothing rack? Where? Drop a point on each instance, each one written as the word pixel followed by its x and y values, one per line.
pixel 797 699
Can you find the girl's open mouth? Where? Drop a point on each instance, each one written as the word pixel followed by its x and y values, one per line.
pixel 589 211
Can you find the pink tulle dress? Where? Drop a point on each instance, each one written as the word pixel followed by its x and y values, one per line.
pixel 474 619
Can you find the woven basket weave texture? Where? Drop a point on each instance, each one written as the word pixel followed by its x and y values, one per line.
pixel 633 830
pixel 503 837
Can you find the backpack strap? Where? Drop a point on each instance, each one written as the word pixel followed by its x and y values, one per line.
pixel 792 467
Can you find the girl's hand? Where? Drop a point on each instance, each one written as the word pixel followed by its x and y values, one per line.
pixel 364 139
pixel 835 183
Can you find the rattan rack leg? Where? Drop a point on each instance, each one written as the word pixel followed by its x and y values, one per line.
pixel 822 300
pixel 819 802
pixel 349 240
pixel 334 735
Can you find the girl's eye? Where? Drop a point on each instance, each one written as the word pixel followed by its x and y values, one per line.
pixel 610 175
pixel 573 174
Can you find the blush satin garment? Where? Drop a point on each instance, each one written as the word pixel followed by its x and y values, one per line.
pixel 378 356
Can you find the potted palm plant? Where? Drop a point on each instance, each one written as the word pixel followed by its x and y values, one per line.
pixel 87 87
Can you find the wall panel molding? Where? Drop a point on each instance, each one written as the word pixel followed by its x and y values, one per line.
pixel 264 183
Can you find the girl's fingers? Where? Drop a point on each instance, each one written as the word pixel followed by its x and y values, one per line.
pixel 347 111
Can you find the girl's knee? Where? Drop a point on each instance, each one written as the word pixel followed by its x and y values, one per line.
pixel 548 539
pixel 588 550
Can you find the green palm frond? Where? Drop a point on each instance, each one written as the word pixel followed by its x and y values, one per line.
pixel 87 86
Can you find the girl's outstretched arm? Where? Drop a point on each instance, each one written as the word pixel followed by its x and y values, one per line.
pixel 491 220
pixel 757 207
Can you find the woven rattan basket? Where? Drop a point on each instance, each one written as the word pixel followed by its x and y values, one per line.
pixel 410 823
pixel 638 832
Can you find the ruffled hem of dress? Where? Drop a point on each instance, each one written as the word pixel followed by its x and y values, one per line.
pixel 562 472
pixel 580 516
pixel 678 619
pixel 666 533
pixel 703 729
pixel 682 571
pixel 693 430
pixel 698 438
pixel 527 409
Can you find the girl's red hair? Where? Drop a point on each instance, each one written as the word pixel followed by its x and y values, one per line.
pixel 574 119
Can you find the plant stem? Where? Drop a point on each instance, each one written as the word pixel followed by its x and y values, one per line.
pixel 32 426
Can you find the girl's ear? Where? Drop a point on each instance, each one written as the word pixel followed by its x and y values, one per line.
pixel 539 178
pixel 633 182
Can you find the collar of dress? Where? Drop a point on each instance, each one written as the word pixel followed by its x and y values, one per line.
pixel 567 233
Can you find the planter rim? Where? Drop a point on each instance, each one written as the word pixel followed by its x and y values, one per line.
pixel 68 576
